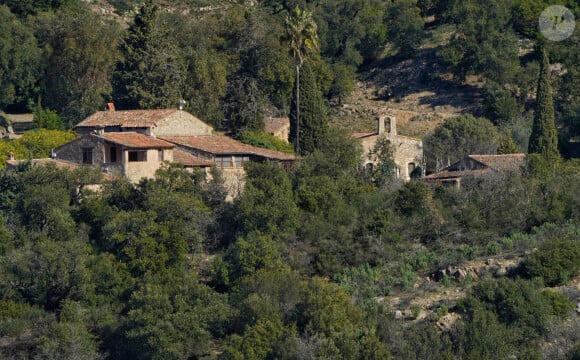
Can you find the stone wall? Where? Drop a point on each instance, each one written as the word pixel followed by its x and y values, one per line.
pixel 136 170
pixel 181 123
pixel 73 151
pixel 408 152
pixel 234 182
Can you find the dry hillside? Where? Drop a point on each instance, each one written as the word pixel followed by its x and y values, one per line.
pixel 423 93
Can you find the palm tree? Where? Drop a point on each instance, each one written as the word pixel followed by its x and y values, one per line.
pixel 301 30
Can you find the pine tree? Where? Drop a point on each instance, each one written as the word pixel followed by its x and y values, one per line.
pixel 544 137
pixel 507 145
pixel 313 115
pixel 152 70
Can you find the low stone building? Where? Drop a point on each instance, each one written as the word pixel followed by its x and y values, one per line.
pixel 136 143
pixel 12 126
pixel 163 122
pixel 130 153
pixel 228 155
pixel 408 152
pixel 476 165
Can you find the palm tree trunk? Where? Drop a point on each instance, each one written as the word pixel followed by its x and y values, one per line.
pixel 297 109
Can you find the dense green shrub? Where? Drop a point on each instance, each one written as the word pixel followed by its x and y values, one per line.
pixel 265 140
pixel 556 261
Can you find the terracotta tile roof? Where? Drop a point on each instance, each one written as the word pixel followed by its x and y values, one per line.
pixel 446 174
pixel 188 159
pixel 61 164
pixel 501 162
pixel 361 135
pixel 273 125
pixel 510 162
pixel 135 140
pixel 126 118
pixel 58 163
pixel 223 145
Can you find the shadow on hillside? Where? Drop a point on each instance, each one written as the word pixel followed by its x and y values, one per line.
pixel 421 81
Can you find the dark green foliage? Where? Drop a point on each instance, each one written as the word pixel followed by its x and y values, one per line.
pixel 122 6
pixel 263 70
pixel 70 338
pixel 500 105
pixel 343 82
pixel 505 317
pixel 458 137
pixel 318 195
pixel 484 337
pixel 561 305
pixel 207 63
pixel 419 340
pixel 168 269
pixel 575 353
pixel 255 252
pixel 151 71
pixel 171 317
pixel 556 261
pixel 432 7
pixel 507 144
pixel 313 113
pixel 525 15
pixel 515 302
pixel 351 32
pixel 382 169
pixel 207 71
pixel 412 199
pixel 124 271
pixel 31 7
pixel 20 64
pixel 267 204
pixel 484 43
pixel 544 138
pixel 245 105
pixel 267 293
pixel 265 140
pixel 258 341
pixel 405 27
pixel 80 50
pixel 46 272
pixel 327 310
pixel 25 325
pixel 47 119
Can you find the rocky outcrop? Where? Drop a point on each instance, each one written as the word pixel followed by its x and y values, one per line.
pixel 456 273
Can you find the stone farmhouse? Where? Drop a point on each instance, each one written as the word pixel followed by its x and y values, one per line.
pixel 408 152
pixel 131 153
pixel 136 143
pixel 476 165
pixel 169 122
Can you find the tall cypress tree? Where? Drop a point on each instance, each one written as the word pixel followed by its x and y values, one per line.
pixel 152 69
pixel 313 113
pixel 544 137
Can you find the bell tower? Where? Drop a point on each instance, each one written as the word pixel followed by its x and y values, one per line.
pixel 388 125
